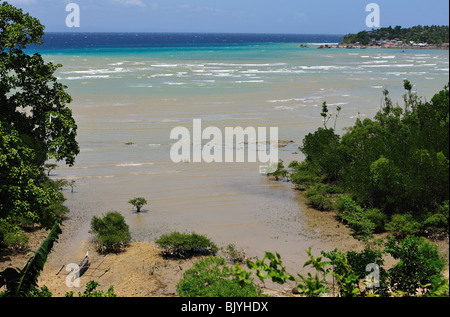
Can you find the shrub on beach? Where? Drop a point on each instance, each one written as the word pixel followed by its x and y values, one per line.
pixel 376 216
pixel 185 245
pixel 112 233
pixel 320 196
pixel 403 225
pixel 355 217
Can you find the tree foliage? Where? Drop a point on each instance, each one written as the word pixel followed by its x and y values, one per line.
pixel 434 34
pixel 35 125
pixel 182 245
pixel 419 264
pixel 111 232
pixel 138 202
pixel 396 163
pixel 31 99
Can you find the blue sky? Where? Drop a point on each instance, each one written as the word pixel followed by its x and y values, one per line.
pixel 234 16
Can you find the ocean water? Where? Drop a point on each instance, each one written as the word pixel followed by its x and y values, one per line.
pixel 138 87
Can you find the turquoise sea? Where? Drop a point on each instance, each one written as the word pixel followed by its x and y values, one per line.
pixel 137 88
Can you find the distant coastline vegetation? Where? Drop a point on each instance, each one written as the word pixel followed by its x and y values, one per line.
pixel 413 36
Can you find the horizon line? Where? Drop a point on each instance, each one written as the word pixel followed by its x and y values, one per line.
pixel 194 32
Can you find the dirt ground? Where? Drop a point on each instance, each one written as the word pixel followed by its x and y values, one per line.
pixel 139 271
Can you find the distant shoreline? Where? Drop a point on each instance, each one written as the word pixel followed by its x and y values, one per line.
pixel 398 47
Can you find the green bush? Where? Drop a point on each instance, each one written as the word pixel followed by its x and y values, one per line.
pixel 420 263
pixel 319 196
pixel 185 245
pixel 12 236
pixel 212 277
pixel 378 218
pixel 305 175
pixel 339 204
pixel 112 233
pixel 438 222
pixel 356 218
pixel 319 201
pixel 279 172
pixel 403 225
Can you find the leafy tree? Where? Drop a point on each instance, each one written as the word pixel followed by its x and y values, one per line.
pixel 306 174
pixel 419 269
pixel 31 99
pixel 35 123
pixel 138 202
pixel 24 197
pixel 49 168
pixel 111 232
pixel 61 183
pixel 12 236
pixel 182 245
pixel 72 184
pixel 356 218
pixel 319 196
pixel 326 117
pixel 321 149
pixel 402 225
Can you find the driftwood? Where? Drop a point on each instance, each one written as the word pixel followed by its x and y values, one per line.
pixel 60 269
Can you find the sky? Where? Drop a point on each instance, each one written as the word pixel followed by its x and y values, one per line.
pixel 234 16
